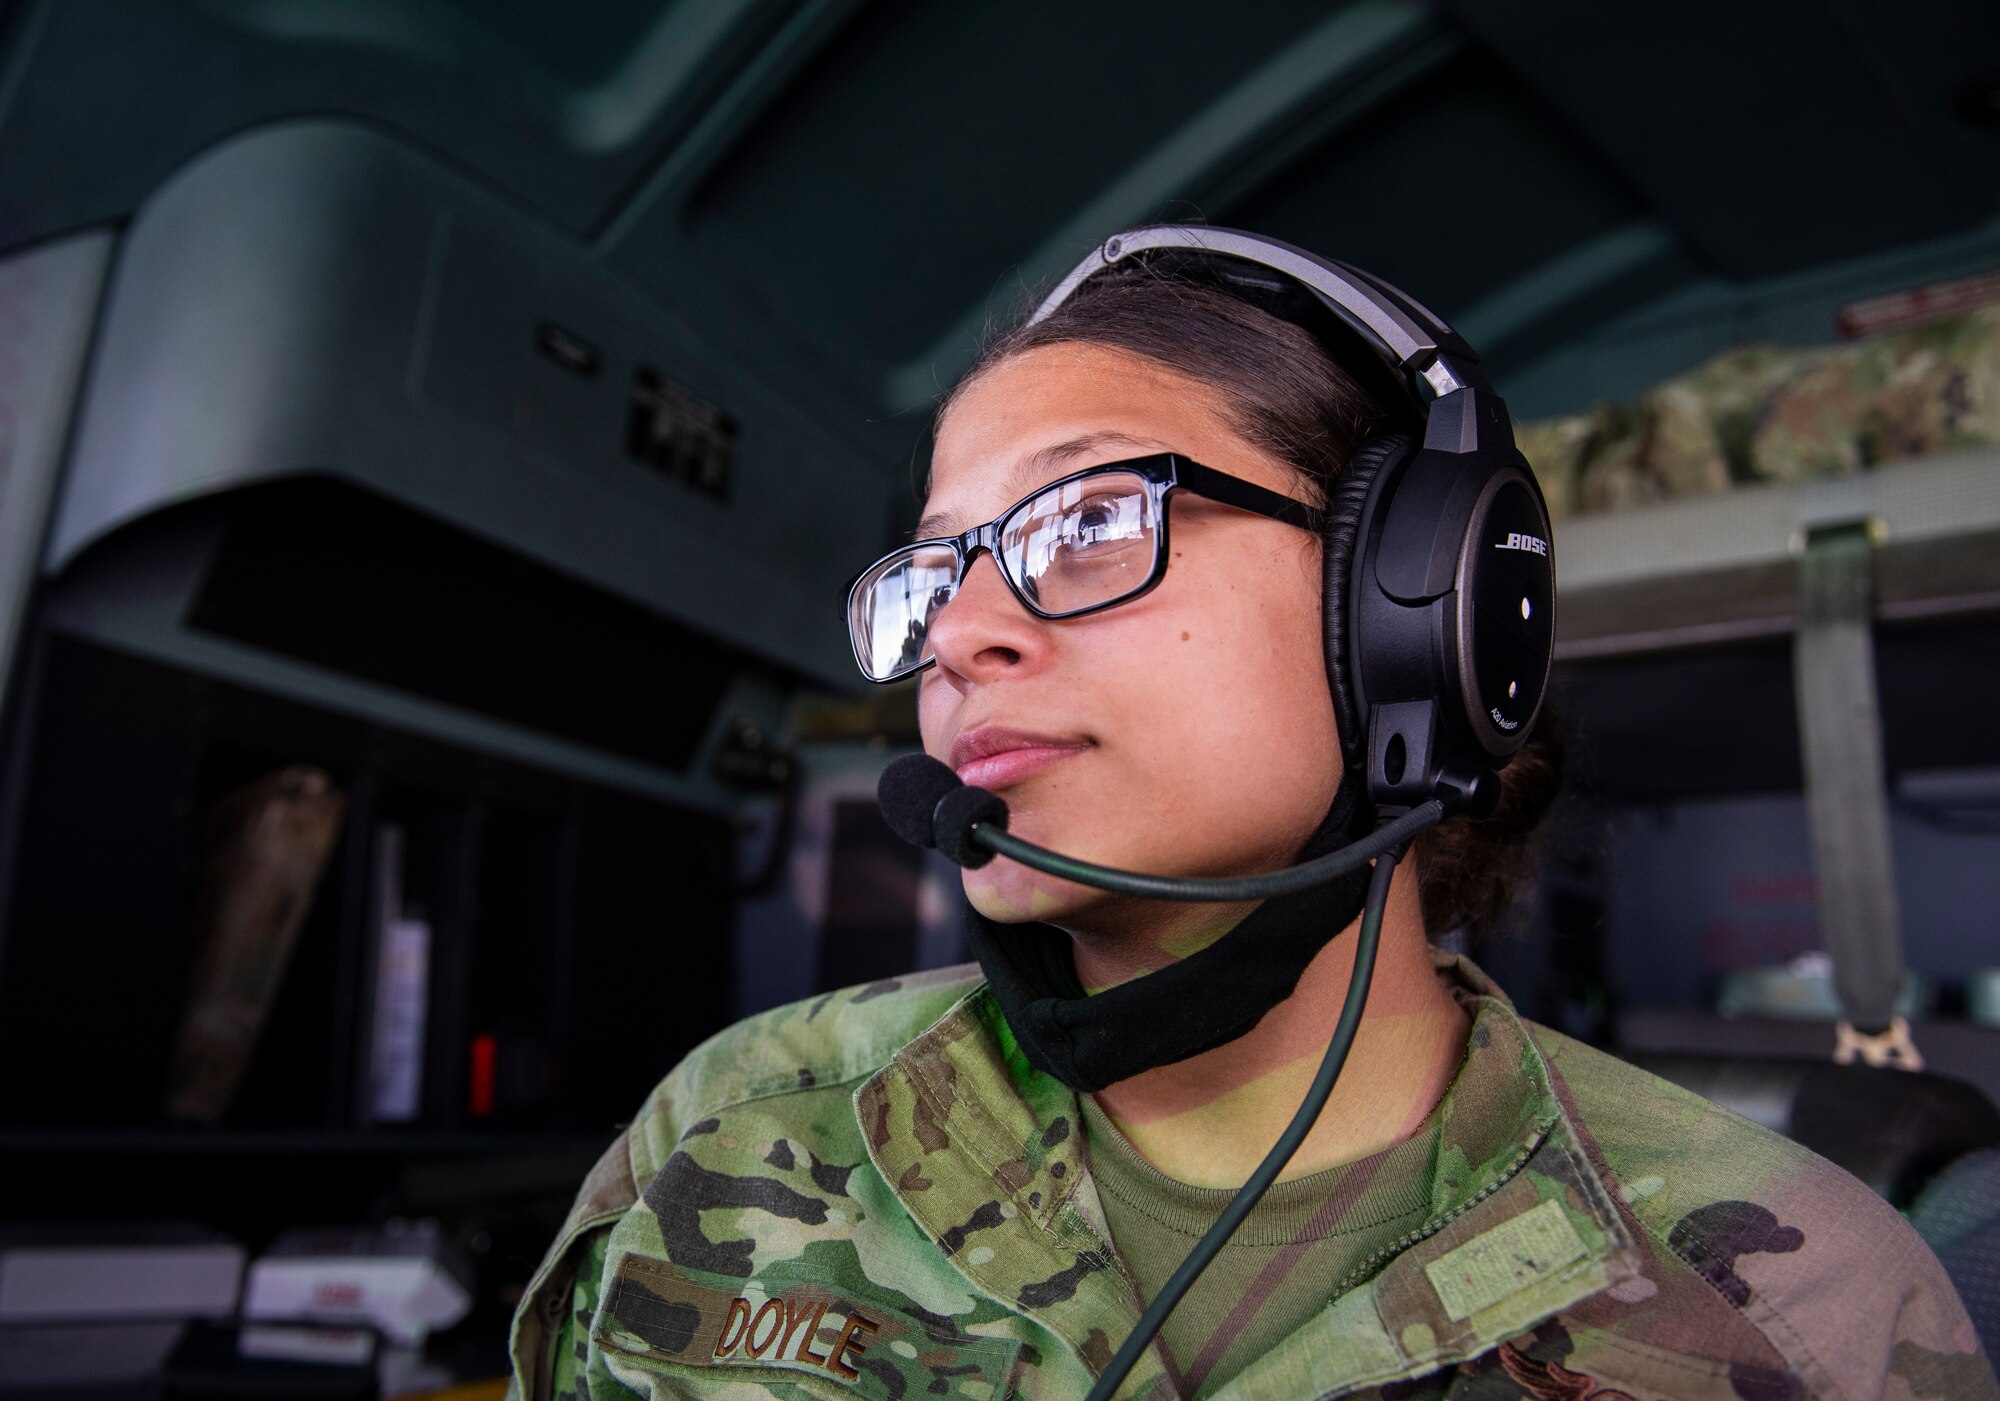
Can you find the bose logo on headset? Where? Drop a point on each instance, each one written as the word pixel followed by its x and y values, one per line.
pixel 1533 544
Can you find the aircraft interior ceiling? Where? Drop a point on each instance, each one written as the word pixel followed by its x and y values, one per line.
pixel 847 192
pixel 796 221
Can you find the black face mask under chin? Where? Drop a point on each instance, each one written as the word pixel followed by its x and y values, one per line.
pixel 1203 1001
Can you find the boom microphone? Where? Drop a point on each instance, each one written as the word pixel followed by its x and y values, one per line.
pixel 909 791
pixel 926 804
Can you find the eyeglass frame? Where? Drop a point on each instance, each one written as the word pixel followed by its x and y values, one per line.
pixel 1162 472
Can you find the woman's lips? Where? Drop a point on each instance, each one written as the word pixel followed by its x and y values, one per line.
pixel 993 756
pixel 996 771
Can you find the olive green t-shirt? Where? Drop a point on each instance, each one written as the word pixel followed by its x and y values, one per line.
pixel 1286 1262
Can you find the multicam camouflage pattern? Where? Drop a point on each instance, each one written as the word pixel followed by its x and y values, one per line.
pixel 1762 414
pixel 873 1194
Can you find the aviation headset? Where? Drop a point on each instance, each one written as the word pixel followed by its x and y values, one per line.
pixel 1439 571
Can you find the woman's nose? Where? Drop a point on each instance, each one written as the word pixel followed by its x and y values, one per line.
pixel 985 631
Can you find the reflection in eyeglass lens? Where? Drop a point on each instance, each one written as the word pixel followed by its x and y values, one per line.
pixel 899 605
pixel 1082 544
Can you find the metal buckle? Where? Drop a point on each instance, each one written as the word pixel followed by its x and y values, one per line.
pixel 1892 1048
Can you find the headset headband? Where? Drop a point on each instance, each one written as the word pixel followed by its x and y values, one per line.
pixel 1414 340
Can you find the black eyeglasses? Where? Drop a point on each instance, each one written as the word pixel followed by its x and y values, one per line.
pixel 1086 542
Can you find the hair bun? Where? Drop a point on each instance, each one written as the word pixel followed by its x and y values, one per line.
pixel 1469 872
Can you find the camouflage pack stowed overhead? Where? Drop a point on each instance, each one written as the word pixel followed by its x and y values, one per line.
pixel 873 1194
pixel 1761 413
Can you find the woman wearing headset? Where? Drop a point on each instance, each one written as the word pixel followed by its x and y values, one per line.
pixel 931 1186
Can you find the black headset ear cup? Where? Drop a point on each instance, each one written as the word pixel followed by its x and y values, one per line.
pixel 1341 528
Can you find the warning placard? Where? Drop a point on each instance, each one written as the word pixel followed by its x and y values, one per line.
pixel 1916 306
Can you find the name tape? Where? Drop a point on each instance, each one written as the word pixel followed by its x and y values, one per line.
pixel 765 1331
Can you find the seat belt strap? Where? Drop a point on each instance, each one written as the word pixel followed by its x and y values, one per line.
pixel 1840 730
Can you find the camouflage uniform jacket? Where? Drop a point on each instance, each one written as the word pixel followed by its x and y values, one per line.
pixel 872 1194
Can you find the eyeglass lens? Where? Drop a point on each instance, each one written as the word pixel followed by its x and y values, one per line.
pixel 1077 546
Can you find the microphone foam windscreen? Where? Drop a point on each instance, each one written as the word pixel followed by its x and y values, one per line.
pixel 957 811
pixel 908 794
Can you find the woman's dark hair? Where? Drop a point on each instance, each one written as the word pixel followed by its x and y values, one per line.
pixel 1285 393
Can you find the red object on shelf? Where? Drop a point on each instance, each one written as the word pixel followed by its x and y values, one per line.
pixel 479 1087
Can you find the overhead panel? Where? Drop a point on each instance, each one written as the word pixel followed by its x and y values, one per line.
pixel 562 108
pixel 581 54
pixel 1355 60
pixel 1773 136
pixel 1458 188
pixel 928 146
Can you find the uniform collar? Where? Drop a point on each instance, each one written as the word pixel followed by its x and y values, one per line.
pixel 985 1153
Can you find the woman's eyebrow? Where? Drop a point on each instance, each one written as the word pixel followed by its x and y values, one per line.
pixel 1038 467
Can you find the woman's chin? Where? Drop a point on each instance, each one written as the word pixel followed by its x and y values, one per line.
pixel 1008 893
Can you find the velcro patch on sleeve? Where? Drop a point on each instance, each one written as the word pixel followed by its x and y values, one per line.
pixel 653 1310
pixel 1499 1263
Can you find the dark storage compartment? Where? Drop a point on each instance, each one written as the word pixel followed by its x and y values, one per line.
pixel 331 574
pixel 354 870
pixel 557 912
pixel 1721 720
